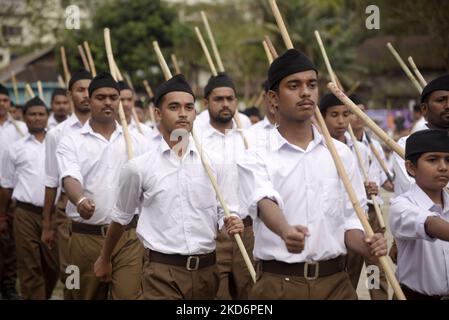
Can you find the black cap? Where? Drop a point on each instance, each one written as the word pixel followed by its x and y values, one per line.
pixel 219 81
pixel 138 104
pixel 58 92
pixel 4 90
pixel 34 102
pixel 253 111
pixel 431 140
pixel 124 86
pixel 356 99
pixel 177 83
pixel 103 80
pixel 81 74
pixel 290 62
pixel 441 83
pixel 329 100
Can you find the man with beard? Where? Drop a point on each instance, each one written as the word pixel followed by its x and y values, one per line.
pixel 60 108
pixel 304 220
pixel 179 215
pixel 79 95
pixel 435 109
pixel 127 98
pixel 8 270
pixel 221 139
pixel 23 181
pixel 89 163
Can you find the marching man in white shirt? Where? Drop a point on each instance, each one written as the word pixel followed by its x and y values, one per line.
pixel 60 108
pixel 179 210
pixel 55 215
pixel 127 98
pixel 304 221
pixel 337 115
pixel 23 180
pixel 221 139
pixel 419 218
pixel 89 164
pixel 8 135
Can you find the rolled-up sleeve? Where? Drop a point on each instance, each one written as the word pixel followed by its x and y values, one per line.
pixel 8 169
pixel 67 160
pixel 255 184
pixel 51 163
pixel 407 221
pixel 130 190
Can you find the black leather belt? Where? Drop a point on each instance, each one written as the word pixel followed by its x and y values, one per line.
pixel 29 207
pixel 191 263
pixel 99 230
pixel 310 271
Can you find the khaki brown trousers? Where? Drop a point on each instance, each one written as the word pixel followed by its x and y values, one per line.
pixel 8 261
pixel 127 258
pixel 167 282
pixel 354 263
pixel 235 279
pixel 271 286
pixel 37 266
pixel 62 233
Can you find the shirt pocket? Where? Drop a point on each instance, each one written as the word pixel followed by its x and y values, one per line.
pixel 332 204
pixel 201 193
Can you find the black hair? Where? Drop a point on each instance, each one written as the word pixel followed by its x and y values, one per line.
pixel 414 160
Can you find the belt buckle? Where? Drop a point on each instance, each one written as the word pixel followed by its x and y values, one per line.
pixel 104 230
pixel 306 270
pixel 196 265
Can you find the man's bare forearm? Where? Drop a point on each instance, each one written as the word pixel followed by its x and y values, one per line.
pixel 272 216
pixel 437 228
pixel 49 200
pixel 115 232
pixel 73 188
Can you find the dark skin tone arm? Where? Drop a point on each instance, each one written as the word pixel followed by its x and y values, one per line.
pixel 437 228
pixel 5 201
pixel 75 192
pixel 48 236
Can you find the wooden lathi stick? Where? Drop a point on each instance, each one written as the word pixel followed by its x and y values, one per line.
pixel 29 90
pixel 368 122
pixel 151 96
pixel 65 66
pixel 175 64
pixel 339 164
pixel 90 59
pixel 418 73
pixel 83 58
pixel 213 43
pixel 40 91
pixel 364 171
pixel 61 82
pixel 15 87
pixel 267 52
pixel 271 47
pixel 113 69
pixel 404 67
pixel 168 75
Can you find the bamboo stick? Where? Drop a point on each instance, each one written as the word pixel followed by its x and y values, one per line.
pixel 40 90
pixel 83 58
pixel 366 178
pixel 267 52
pixel 271 47
pixel 404 67
pixel 113 69
pixel 15 87
pixel 90 59
pixel 206 52
pixel 61 82
pixel 29 91
pixel 175 64
pixel 213 43
pixel 418 73
pixel 65 66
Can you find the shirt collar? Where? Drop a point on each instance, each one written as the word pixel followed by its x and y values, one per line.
pixel 209 130
pixel 191 147
pixel 424 200
pixel 87 129
pixel 280 141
